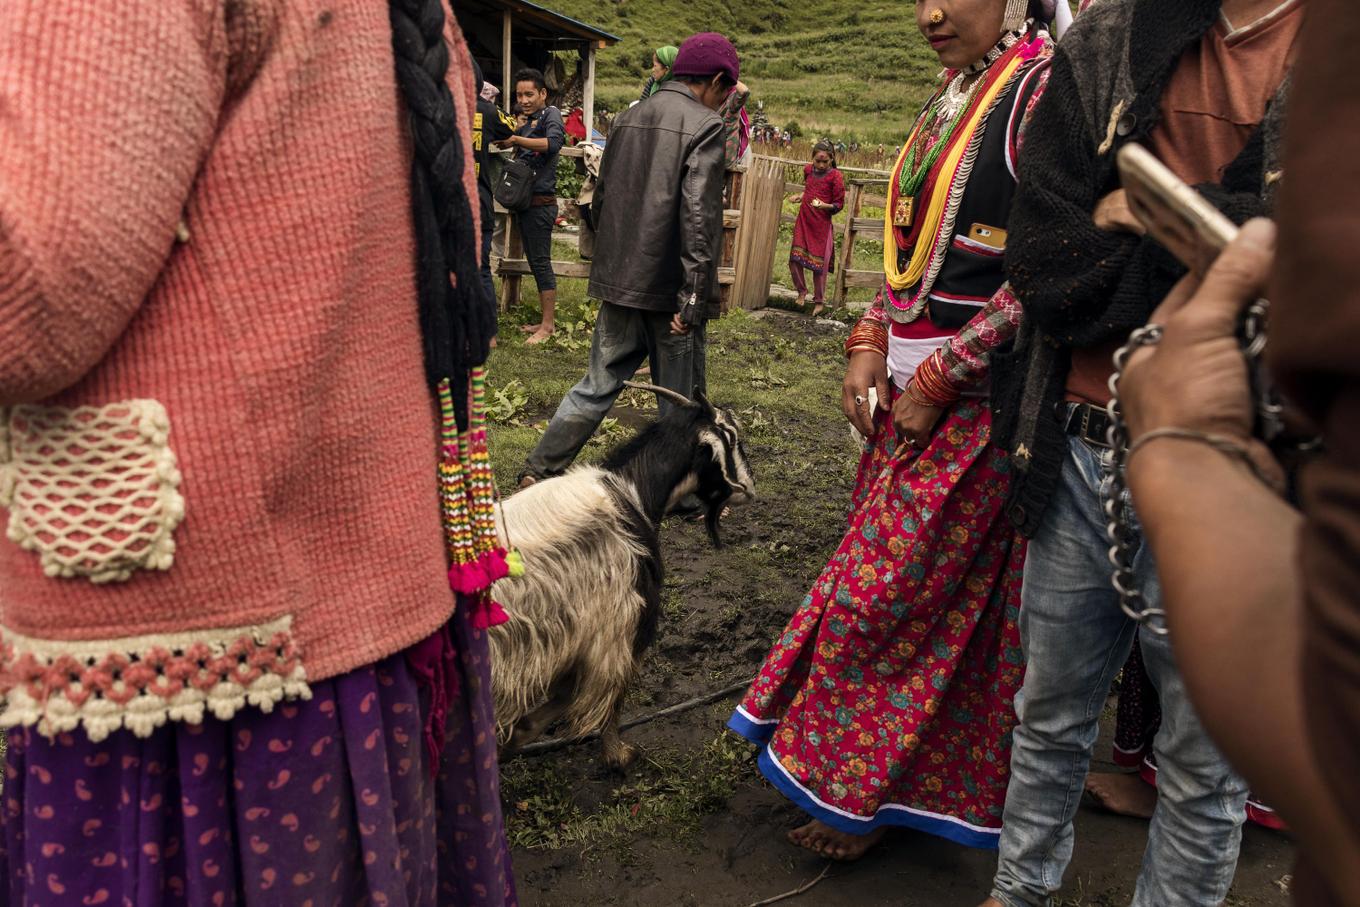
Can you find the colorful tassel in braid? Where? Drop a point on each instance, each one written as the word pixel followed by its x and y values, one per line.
pixel 468 493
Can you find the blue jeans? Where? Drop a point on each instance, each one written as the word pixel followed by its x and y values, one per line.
pixel 624 339
pixel 1075 640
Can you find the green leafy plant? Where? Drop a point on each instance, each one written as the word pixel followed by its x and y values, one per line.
pixel 507 403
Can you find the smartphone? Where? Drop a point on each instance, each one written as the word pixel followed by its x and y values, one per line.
pixel 1174 214
pixel 1195 232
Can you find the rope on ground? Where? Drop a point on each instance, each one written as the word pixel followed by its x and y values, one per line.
pixel 548 746
pixel 806 886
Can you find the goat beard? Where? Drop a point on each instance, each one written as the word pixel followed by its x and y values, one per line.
pixel 715 504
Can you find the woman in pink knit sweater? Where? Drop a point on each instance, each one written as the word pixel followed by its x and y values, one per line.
pixel 233 666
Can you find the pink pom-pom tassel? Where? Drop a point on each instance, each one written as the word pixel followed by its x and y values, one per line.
pixel 496 565
pixel 489 614
pixel 468 579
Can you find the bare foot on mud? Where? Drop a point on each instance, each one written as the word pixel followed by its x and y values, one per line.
pixel 1122 794
pixel 825 841
pixel 817 309
pixel 539 336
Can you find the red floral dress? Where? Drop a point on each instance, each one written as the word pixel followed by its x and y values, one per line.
pixel 888 699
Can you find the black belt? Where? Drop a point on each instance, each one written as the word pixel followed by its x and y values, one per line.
pixel 1089 423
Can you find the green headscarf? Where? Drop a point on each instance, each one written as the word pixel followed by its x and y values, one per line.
pixel 667 57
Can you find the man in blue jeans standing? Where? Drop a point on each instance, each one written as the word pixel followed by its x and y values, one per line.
pixel 658 211
pixel 537 143
pixel 1198 82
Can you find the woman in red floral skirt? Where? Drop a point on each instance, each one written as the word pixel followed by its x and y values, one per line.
pixel 888 699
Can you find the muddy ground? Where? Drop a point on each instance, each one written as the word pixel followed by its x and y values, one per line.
pixel 693 823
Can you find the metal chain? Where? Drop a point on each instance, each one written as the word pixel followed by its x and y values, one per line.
pixel 1118 513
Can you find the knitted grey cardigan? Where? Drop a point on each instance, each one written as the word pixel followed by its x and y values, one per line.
pixel 1081 286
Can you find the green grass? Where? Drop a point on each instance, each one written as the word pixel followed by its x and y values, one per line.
pixel 774 382
pixel 854 73
pixel 720 607
pixel 672 789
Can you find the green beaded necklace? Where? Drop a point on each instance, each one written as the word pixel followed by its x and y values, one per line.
pixel 912 177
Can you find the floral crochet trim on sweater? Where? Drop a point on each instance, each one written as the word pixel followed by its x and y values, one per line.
pixel 93 490
pixel 141 682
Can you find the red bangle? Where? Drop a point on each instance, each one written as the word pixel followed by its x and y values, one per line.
pixel 867 336
pixel 931 383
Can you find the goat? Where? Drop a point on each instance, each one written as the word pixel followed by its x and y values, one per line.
pixel 588 604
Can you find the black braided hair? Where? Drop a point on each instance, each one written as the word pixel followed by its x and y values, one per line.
pixel 457 318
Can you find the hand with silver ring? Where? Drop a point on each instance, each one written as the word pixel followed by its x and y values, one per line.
pixel 860 399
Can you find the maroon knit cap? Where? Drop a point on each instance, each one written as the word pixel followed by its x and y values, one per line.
pixel 707 54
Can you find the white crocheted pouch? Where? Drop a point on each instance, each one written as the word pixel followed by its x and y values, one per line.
pixel 94 491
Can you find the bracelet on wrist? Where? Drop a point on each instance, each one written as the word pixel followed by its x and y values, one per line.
pixel 1230 447
pixel 867 336
pixel 932 387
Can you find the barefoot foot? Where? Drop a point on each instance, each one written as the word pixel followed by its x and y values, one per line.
pixel 825 841
pixel 1122 794
pixel 531 328
pixel 540 336
pixel 817 309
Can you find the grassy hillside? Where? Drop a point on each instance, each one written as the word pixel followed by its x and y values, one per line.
pixel 851 72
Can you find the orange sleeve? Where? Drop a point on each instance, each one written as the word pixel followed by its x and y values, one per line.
pixel 107 111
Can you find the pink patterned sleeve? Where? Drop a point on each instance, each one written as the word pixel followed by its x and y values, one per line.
pixel 964 360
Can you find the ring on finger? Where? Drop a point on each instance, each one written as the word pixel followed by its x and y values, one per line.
pixel 860 399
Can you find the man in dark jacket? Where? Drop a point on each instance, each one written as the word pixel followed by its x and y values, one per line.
pixel 489 126
pixel 1199 82
pixel 658 216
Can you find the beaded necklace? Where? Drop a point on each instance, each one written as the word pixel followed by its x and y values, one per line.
pixel 949 108
pixel 949 114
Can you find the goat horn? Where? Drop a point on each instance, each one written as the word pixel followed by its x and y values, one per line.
pixel 663 391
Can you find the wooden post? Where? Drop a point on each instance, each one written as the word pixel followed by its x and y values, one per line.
pixel 588 95
pixel 762 199
pixel 514 248
pixel 732 198
pixel 507 89
pixel 852 203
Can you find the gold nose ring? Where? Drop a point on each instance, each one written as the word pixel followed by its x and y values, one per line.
pixel 936 16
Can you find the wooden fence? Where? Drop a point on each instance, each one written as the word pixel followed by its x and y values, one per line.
pixel 753 212
pixel 854 226
pixel 514 267
pixel 762 202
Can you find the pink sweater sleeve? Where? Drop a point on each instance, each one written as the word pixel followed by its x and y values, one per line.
pixel 106 113
pixel 464 93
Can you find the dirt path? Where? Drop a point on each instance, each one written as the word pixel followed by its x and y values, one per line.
pixel 693 823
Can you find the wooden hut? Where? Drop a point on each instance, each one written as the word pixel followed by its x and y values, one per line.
pixel 506 35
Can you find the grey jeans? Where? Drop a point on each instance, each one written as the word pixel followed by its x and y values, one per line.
pixel 1075 639
pixel 624 339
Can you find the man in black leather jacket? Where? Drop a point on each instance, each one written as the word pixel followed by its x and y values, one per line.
pixel 658 213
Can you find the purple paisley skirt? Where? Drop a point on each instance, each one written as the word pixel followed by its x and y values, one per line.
pixel 329 802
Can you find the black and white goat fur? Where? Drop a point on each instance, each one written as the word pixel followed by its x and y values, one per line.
pixel 589 601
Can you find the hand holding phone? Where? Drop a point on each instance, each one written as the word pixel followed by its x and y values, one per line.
pixel 1174 214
